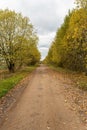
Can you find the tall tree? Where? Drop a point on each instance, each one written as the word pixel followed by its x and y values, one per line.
pixel 69 48
pixel 16 35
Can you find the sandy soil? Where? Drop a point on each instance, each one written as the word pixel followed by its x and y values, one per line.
pixel 43 106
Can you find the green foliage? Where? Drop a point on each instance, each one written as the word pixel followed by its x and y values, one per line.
pixel 17 39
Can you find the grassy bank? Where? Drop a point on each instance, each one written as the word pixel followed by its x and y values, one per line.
pixel 79 79
pixel 11 80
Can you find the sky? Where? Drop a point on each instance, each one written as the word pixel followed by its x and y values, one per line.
pixel 45 15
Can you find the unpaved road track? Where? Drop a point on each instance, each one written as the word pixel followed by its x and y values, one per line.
pixel 42 106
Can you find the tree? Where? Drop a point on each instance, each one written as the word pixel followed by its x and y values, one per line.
pixel 69 48
pixel 56 51
pixel 81 3
pixel 76 41
pixel 16 36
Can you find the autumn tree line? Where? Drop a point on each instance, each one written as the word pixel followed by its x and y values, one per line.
pixel 69 47
pixel 18 41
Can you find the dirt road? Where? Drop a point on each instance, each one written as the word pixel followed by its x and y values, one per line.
pixel 43 106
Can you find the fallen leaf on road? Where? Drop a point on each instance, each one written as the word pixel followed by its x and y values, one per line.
pixel 48 128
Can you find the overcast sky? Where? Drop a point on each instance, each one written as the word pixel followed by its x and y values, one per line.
pixel 45 15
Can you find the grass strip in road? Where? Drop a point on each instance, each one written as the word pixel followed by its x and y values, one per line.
pixel 14 79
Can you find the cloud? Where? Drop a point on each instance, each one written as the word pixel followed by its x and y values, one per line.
pixel 44 52
pixel 45 15
pixel 44 43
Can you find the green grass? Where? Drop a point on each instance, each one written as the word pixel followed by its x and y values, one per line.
pixel 13 79
pixel 2 67
pixel 79 79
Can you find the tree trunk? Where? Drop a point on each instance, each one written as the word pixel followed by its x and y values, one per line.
pixel 11 67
